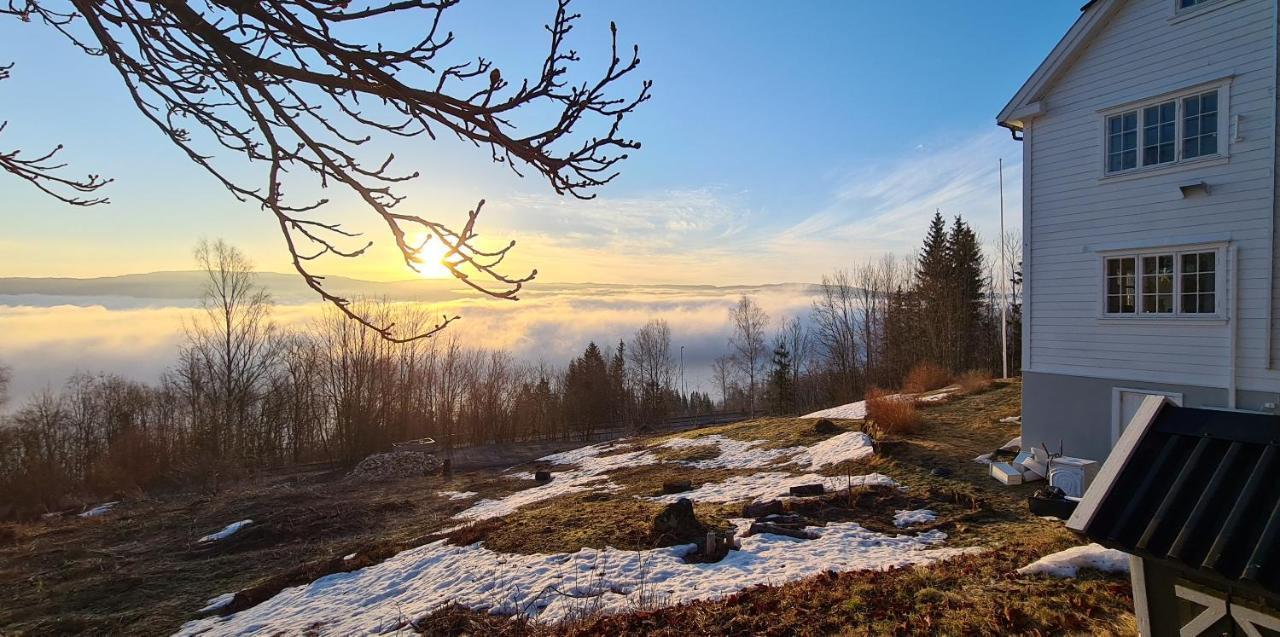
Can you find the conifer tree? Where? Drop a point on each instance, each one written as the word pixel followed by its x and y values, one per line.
pixel 965 295
pixel 782 391
pixel 933 287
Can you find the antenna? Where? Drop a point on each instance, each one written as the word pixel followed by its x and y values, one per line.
pixel 1004 300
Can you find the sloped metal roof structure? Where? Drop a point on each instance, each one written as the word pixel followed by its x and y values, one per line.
pixel 1198 489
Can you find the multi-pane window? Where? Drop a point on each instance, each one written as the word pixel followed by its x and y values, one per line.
pixel 1200 125
pixel 1187 4
pixel 1157 284
pixel 1122 141
pixel 1121 285
pixel 1167 132
pixel 1158 123
pixel 1161 284
pixel 1199 272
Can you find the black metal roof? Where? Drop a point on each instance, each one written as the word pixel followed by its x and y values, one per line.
pixel 1200 489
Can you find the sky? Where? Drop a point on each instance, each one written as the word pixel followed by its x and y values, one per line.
pixel 782 141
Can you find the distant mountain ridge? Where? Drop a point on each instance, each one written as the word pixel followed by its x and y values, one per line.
pixel 288 288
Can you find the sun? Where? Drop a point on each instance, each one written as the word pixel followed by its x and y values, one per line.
pixel 432 259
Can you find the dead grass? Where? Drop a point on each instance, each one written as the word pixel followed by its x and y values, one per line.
pixel 892 415
pixel 687 454
pixel 974 381
pixel 925 377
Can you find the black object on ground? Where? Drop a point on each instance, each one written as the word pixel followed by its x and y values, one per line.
pixel 940 472
pixel 806 490
pixel 676 486
pixel 762 508
pixel 542 475
pixel 824 426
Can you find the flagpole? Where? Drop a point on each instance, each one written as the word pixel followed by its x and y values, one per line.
pixel 1004 301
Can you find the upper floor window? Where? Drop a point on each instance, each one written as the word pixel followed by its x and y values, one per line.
pixel 1187 4
pixel 1165 131
pixel 1161 283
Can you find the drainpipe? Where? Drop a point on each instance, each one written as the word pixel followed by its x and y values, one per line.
pixel 1233 321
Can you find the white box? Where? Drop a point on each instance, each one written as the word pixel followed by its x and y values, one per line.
pixel 1006 473
pixel 1072 475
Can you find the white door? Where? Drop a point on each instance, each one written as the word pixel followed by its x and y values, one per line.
pixel 1125 403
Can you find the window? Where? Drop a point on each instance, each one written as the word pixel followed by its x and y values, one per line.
pixel 1187 4
pixel 1121 285
pixel 1199 279
pixel 1165 132
pixel 1122 141
pixel 1158 283
pixel 1200 125
pixel 1157 133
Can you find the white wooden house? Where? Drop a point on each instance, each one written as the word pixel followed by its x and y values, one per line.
pixel 1149 217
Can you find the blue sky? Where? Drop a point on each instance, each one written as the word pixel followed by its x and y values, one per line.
pixel 779 144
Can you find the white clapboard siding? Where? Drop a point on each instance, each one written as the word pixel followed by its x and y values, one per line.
pixel 1142 53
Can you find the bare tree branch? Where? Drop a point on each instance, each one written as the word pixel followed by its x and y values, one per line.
pixel 283 84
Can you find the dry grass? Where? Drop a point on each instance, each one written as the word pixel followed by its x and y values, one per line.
pixel 974 381
pixel 687 454
pixel 925 377
pixel 892 415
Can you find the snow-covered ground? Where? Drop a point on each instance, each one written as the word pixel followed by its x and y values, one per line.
pixel 550 588
pixel 734 454
pixel 858 410
pixel 101 509
pixel 457 495
pixel 1069 562
pixel 903 519
pixel 770 485
pixel 226 532
pixel 590 474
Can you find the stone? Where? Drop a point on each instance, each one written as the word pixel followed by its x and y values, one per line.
pixel 677 523
pixel 807 490
pixel 824 426
pixel 775 529
pixel 762 508
pixel 542 475
pixel 395 464
pixel 676 486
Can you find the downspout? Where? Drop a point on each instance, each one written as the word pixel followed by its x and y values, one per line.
pixel 1268 359
pixel 1233 322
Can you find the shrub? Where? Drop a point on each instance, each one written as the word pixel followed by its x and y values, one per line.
pixel 926 376
pixel 974 381
pixel 892 414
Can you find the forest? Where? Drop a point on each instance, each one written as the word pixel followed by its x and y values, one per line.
pixel 245 395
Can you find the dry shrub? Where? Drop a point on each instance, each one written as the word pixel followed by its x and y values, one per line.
pixel 974 381
pixel 892 414
pixel 926 376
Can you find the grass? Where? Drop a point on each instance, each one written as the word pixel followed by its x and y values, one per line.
pixel 138 570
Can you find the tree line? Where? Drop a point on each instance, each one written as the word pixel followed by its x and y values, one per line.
pixel 245 394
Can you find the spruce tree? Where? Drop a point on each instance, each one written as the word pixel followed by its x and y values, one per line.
pixel 782 392
pixel 933 292
pixel 965 295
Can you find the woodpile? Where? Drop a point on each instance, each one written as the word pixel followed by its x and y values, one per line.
pixel 395 465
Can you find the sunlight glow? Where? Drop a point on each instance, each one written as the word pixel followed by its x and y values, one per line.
pixel 432 256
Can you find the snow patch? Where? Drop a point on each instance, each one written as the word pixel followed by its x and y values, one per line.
pixel 770 485
pixel 1068 563
pixel 101 509
pixel 217 603
pixel 552 588
pixel 902 519
pixel 851 411
pixel 457 495
pixel 734 454
pixel 853 445
pixel 589 475
pixel 226 532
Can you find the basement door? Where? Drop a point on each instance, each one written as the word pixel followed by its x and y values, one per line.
pixel 1125 403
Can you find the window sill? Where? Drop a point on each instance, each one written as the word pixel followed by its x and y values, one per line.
pixel 1166 320
pixel 1147 171
pixel 1182 15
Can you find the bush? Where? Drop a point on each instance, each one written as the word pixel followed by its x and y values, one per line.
pixel 974 381
pixel 892 414
pixel 926 376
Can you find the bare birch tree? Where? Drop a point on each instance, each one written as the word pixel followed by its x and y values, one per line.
pixel 749 346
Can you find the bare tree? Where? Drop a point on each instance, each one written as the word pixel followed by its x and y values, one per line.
pixel 285 84
pixel 835 314
pixel 722 373
pixel 6 375
pixel 748 345
pixel 231 348
pixel 653 368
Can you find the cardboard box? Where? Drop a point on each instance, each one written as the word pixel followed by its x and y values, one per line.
pixel 1006 473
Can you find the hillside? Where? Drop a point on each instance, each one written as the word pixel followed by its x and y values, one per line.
pixel 580 554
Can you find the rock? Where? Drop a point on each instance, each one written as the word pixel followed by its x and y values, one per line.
pixel 824 426
pixel 542 475
pixel 676 486
pixel 760 509
pixel 395 464
pixel 767 527
pixel 677 523
pixel 806 490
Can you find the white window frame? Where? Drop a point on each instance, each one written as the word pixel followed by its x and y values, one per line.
pixel 1222 86
pixel 1220 274
pixel 1177 13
